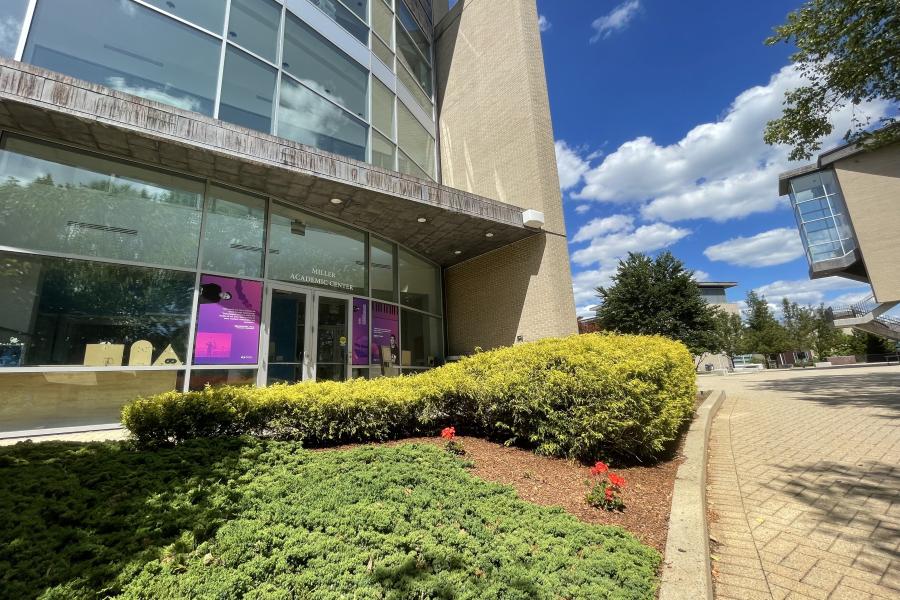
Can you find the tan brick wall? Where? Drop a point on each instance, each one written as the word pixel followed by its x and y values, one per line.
pixel 496 140
pixel 870 182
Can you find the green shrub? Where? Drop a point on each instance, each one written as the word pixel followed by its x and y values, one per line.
pixel 583 396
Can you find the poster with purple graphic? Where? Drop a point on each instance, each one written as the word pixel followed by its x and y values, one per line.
pixel 360 331
pixel 385 332
pixel 228 319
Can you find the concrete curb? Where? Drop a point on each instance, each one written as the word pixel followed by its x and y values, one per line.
pixel 686 570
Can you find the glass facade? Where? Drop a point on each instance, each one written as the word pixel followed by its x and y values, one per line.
pixel 254 63
pixel 118 280
pixel 822 216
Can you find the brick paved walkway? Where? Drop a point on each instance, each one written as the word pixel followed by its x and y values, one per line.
pixel 804 484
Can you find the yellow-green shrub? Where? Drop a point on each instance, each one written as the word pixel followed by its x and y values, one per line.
pixel 582 396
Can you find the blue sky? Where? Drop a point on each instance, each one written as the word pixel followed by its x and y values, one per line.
pixel 658 109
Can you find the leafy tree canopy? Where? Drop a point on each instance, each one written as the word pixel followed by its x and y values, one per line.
pixel 657 296
pixel 849 50
pixel 764 335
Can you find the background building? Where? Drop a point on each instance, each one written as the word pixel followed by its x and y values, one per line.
pixel 714 294
pixel 261 191
pixel 847 206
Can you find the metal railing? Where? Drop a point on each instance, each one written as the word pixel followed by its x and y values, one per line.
pixel 862 308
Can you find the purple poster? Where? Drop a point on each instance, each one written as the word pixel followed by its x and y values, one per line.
pixel 360 331
pixel 385 331
pixel 228 321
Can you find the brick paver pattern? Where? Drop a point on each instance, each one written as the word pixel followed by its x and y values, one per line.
pixel 804 484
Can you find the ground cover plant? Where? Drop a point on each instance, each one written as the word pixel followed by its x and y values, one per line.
pixel 586 396
pixel 247 518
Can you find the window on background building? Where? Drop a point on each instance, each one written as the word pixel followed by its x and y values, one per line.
pixel 407 81
pixel 254 24
pixel 309 119
pixel 353 21
pixel 308 250
pixel 57 200
pixel 248 87
pixel 322 67
pixel 382 108
pixel 12 16
pixel 58 311
pixel 415 141
pixel 381 264
pixel 209 14
pixel 820 211
pixel 383 22
pixel 414 49
pixel 132 49
pixel 420 283
pixel 420 345
pixel 234 232
pixel 384 152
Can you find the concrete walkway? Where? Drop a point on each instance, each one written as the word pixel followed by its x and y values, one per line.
pixel 804 484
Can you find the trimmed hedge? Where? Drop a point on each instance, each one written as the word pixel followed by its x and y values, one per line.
pixel 584 396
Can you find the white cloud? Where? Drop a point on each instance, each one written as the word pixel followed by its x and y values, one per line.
pixel 810 291
pixel 154 94
pixel 543 23
pixel 600 226
pixel 773 247
pixel 606 250
pixel 584 286
pixel 701 275
pixel 10 28
pixel 570 165
pixel 719 170
pixel 616 20
pixel 582 208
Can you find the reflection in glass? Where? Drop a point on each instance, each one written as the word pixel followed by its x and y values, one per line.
pixel 209 14
pixel 383 22
pixel 420 283
pixel 200 378
pixel 12 16
pixel 322 67
pixel 415 140
pixel 332 343
pixel 309 119
pixel 132 49
pixel 408 167
pixel 253 24
pixel 248 86
pixel 84 204
pixel 382 108
pixel 384 54
pixel 411 27
pixel 383 152
pixel 287 338
pixel 233 235
pixel 44 400
pixel 420 345
pixel 381 261
pixel 345 18
pixel 309 250
pixel 75 312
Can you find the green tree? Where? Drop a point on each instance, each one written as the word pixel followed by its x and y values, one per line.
pixel 827 338
pixel 799 325
pixel 764 334
pixel 729 334
pixel 849 51
pixel 657 296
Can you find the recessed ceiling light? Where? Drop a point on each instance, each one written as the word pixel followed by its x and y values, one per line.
pixel 489 234
pixel 421 219
pixel 337 201
pixel 457 252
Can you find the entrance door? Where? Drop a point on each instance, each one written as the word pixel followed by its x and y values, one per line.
pixel 308 336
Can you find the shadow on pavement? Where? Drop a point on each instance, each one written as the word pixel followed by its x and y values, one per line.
pixel 859 389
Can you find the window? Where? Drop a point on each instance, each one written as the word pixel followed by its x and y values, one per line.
pixel 384 152
pixel 414 48
pixel 322 67
pixel 415 140
pixel 420 345
pixel 132 49
pixel 309 250
pixel 381 264
pixel 253 24
pixel 12 15
pixel 200 378
pixel 382 108
pixel 383 22
pixel 420 283
pixel 58 311
pixel 248 86
pixel 309 119
pixel 233 235
pixel 411 27
pixel 418 95
pixel 345 18
pixel 57 200
pixel 209 14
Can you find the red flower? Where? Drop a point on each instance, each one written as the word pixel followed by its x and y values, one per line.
pixel 609 493
pixel 617 481
pixel 599 469
pixel 448 433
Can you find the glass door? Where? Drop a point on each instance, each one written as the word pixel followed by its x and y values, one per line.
pixel 332 336
pixel 289 360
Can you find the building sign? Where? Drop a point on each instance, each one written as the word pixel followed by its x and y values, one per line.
pixel 228 318
pixel 385 332
pixel 360 331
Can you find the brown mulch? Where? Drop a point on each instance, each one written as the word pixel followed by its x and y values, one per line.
pixel 557 482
